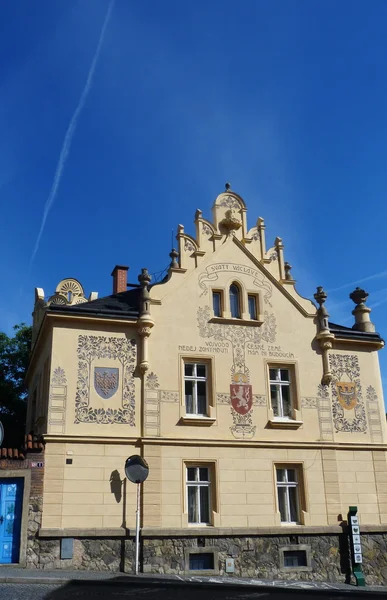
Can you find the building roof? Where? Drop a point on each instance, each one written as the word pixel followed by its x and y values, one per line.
pixel 340 331
pixel 124 305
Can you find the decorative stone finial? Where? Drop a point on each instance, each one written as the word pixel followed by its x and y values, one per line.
pixel 320 296
pixel 361 312
pixel 144 278
pixel 174 256
pixel 227 186
pixel 288 268
pixel 359 296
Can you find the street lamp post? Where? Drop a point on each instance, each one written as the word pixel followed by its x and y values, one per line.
pixel 137 470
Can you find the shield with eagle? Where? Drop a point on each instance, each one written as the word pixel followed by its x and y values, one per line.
pixel 106 381
pixel 241 397
pixel 347 394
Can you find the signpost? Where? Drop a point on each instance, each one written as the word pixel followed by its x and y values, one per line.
pixel 137 470
pixel 356 553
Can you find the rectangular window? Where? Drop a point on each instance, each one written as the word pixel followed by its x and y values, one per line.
pixel 198 495
pixel 252 300
pixel 217 303
pixel 280 392
pixel 295 558
pixel 195 388
pixel 288 494
pixel 201 562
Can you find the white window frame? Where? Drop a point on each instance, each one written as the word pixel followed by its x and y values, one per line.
pixel 279 383
pixel 195 379
pixel 287 485
pixel 199 484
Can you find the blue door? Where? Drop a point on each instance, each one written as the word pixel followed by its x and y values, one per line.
pixel 11 495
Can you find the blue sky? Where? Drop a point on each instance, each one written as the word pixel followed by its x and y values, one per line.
pixel 287 100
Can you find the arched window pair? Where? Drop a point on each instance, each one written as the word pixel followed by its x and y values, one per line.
pixel 235 303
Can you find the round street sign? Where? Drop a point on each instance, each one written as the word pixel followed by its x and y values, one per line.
pixel 136 469
pixel 1 433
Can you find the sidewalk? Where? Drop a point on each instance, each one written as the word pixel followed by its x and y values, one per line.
pixel 59 577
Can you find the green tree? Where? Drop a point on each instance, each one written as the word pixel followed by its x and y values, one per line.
pixel 14 359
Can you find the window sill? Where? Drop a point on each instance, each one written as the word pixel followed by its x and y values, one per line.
pixel 230 321
pixel 285 423
pixel 196 420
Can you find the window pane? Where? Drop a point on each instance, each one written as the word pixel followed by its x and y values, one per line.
pixel 203 474
pixel 286 404
pixel 201 370
pixel 188 369
pixel 274 394
pixel 293 504
pixel 252 307
pixel 192 504
pixel 292 475
pixel 282 503
pixel 295 558
pixel 281 475
pixel 200 562
pixel 234 302
pixel 285 375
pixel 273 374
pixel 204 504
pixel 202 402
pixel 189 402
pixel 216 304
pixel 191 474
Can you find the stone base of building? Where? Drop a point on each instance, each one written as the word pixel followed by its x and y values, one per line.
pixel 326 556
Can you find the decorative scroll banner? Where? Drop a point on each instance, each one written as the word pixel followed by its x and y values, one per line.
pixel 212 271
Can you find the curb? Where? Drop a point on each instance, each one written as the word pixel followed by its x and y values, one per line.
pixel 153 582
pixel 37 580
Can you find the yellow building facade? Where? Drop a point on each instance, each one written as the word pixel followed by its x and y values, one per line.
pixel 260 420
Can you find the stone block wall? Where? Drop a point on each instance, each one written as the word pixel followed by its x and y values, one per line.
pixel 259 556
pixel 89 554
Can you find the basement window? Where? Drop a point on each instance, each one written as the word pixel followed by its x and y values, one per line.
pixel 295 558
pixel 201 562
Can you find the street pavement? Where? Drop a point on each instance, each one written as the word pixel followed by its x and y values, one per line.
pixel 162 589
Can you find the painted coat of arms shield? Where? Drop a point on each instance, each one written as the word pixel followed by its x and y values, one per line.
pixel 241 397
pixel 346 394
pixel 106 381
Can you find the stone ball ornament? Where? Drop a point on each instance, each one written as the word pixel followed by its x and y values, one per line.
pixel 136 469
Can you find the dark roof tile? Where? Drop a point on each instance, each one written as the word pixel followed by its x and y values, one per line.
pixel 122 305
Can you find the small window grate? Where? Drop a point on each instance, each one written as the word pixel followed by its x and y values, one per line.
pixel 201 562
pixel 295 558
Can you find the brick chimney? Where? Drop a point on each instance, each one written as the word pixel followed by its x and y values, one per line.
pixel 120 278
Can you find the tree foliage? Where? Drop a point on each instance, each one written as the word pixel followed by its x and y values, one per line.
pixel 14 359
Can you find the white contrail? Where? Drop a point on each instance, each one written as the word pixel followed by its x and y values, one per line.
pixel 71 130
pixel 374 276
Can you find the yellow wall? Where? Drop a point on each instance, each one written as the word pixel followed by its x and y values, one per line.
pixel 342 457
